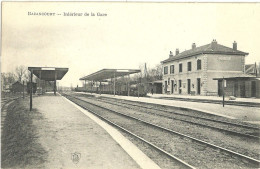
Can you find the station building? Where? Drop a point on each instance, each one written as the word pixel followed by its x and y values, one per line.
pixel 192 71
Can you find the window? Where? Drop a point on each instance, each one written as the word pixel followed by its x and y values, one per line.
pixel 180 67
pixel 172 69
pixel 198 64
pixel 166 70
pixel 189 66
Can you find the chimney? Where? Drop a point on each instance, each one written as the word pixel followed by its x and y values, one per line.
pixel 170 55
pixel 177 51
pixel 214 44
pixel 193 46
pixel 235 45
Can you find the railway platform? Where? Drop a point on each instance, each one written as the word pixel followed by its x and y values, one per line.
pixel 202 98
pixel 243 113
pixel 75 139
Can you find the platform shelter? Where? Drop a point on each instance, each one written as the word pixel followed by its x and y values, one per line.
pixel 47 74
pixel 243 86
pixel 112 74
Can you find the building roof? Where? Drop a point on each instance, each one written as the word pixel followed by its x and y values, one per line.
pixel 48 73
pixel 251 69
pixel 17 83
pixel 241 76
pixel 211 48
pixel 109 73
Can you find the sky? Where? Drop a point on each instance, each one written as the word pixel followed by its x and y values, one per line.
pixel 130 35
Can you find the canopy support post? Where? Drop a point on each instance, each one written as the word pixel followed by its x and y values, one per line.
pixel 31 90
pixel 85 85
pixel 114 83
pixel 100 87
pixel 55 83
pixel 128 85
pixel 40 85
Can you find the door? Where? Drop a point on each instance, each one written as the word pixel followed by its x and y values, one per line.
pixel 198 86
pixel 219 88
pixel 165 87
pixel 243 89
pixel 188 87
pixel 236 89
pixel 253 89
pixel 172 86
pixel 179 86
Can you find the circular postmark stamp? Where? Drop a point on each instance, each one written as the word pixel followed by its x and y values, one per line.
pixel 75 157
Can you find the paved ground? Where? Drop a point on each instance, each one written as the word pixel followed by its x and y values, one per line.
pixel 248 114
pixel 66 130
pixel 253 100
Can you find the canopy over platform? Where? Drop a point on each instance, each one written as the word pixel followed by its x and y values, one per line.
pixel 109 73
pixel 240 77
pixel 48 73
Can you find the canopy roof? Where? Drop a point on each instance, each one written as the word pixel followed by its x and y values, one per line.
pixel 109 73
pixel 239 77
pixel 48 73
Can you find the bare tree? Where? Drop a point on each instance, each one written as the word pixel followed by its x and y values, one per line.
pixel 27 77
pixel 7 79
pixel 159 71
pixel 20 72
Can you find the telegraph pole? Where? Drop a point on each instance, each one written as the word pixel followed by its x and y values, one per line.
pixel 23 89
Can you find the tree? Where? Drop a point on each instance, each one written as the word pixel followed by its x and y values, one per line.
pixel 27 76
pixel 20 72
pixel 7 79
pixel 159 72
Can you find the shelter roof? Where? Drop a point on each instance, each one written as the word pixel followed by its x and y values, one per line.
pixel 109 73
pixel 157 81
pixel 206 49
pixel 239 77
pixel 48 73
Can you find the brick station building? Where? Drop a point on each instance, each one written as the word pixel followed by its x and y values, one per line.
pixel 192 71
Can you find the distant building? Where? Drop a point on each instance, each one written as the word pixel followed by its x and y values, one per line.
pixel 192 71
pixel 17 87
pixel 252 69
pixel 155 87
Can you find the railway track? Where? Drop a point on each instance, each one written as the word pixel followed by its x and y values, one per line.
pixel 138 123
pixel 200 121
pixel 178 160
pixel 7 100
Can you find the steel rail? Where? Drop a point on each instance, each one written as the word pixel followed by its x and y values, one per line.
pixel 187 121
pixel 8 101
pixel 136 136
pixel 249 159
pixel 203 118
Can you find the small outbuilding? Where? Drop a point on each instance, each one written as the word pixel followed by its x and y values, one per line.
pixel 240 86
pixel 155 87
pixel 17 87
